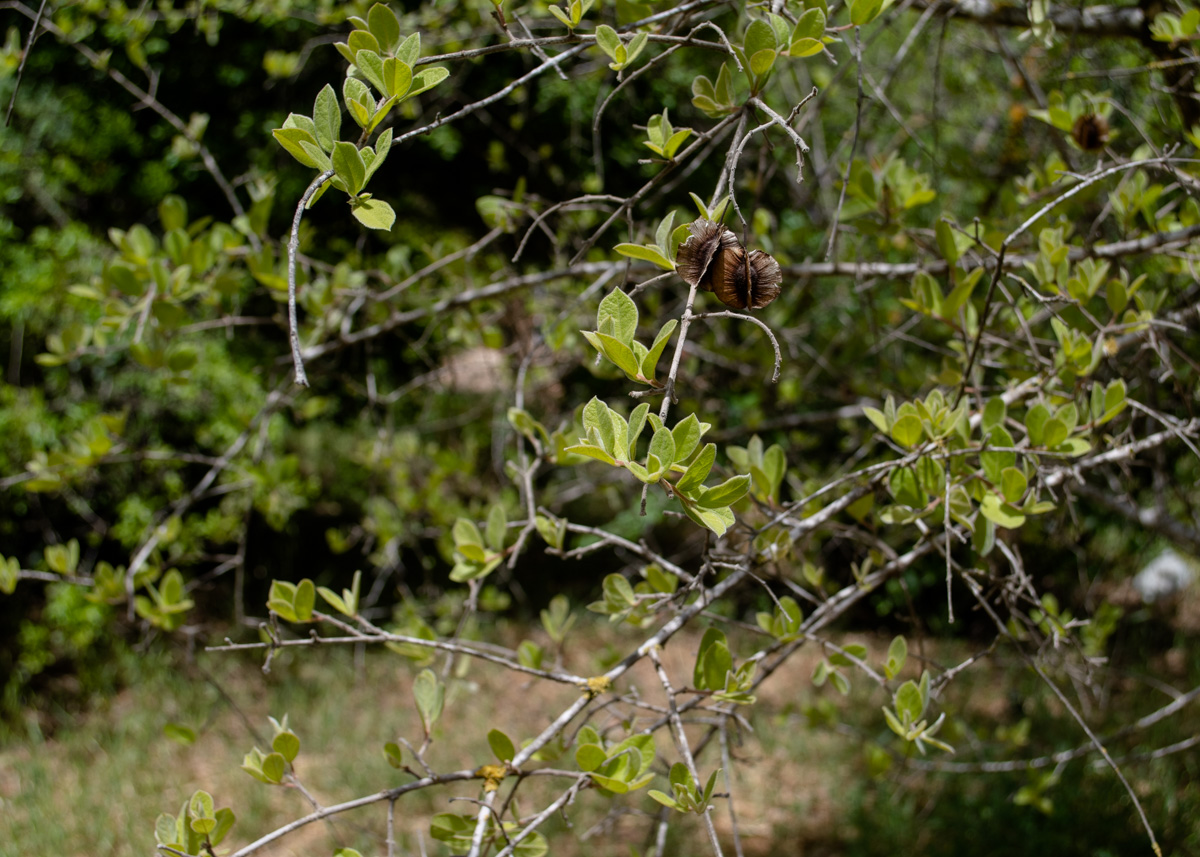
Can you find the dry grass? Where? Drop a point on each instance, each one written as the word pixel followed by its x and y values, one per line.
pixel 97 788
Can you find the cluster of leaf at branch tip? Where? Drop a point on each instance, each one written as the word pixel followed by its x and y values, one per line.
pixel 1174 29
pixel 767 40
pixel 616 768
pixel 294 602
pixel 994 482
pixel 272 767
pixel 909 704
pixel 378 57
pixel 458 832
pixel 197 829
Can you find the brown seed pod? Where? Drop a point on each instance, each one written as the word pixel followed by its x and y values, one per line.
pixel 695 257
pixel 1090 132
pixel 713 259
pixel 746 280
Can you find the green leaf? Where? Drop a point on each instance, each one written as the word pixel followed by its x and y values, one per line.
pixel 327 118
pixel 397 78
pixel 907 431
pixel 274 766
pixel 410 50
pixel 761 62
pixel 1000 513
pixel 349 166
pixel 1035 423
pixel 608 40
pixel 760 36
pixel 287 745
pixel 497 527
pixel 1013 484
pixel 1054 432
pixel 650 361
pixel 863 12
pixel 502 745
pixel 370 66
pixel 621 312
pixel 725 494
pixel 686 435
pixel 373 213
pixel 427 79
pixel 430 696
pixel 303 602
pixel 993 413
pixel 179 732
pixel 384 27
pixel 877 418
pixel 290 139
pixel 592 452
pixel 1114 400
pixel 717 520
pixel 662 446
pixel 896 656
pixel 908 702
pixel 698 470
pixel 806 37
pixel 590 757
pixel 618 353
pixel 562 16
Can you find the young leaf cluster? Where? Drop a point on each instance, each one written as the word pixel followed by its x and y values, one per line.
pixel 675 460
pixel 381 61
pixel 714 670
pixel 615 338
pixel 909 704
pixel 616 768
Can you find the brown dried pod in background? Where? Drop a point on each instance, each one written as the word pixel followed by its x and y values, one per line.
pixel 713 259
pixel 694 261
pixel 1090 132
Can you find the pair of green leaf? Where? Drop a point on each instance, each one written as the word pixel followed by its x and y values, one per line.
pixel 623 54
pixel 457 831
pixel 557 618
pixel 714 670
pixel 928 299
pixel 473 558
pixel 167 604
pixel 272 767
pixel 662 251
pixel 8 574
pixel 63 559
pixel 430 695
pixel 784 622
pixel 664 139
pixel 552 530
pixel 808 37
pixel 716 100
pixel 614 337
pixel 634 604
pixel 687 796
pixel 909 704
pixel 573 14
pixel 829 669
pixel 760 48
pixel 766 468
pixel 197 828
pixel 294 602
pixel 620 768
pixel 1107 402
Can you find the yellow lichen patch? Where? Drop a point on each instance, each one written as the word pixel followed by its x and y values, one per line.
pixel 492 775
